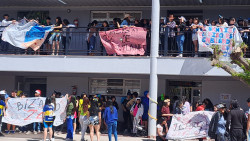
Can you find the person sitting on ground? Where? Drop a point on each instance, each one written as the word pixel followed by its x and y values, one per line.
pixel 162 130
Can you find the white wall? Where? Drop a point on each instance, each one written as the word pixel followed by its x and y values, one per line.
pixel 213 89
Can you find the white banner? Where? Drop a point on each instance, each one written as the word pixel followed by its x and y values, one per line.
pixel 190 126
pixel 23 111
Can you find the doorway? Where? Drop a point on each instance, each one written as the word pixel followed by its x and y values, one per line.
pixel 184 89
pixel 34 87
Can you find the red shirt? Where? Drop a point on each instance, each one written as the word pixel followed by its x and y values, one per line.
pixel 200 108
pixel 165 110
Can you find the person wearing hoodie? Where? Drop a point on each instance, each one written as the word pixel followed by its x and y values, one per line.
pixel 110 118
pixel 137 112
pixel 145 103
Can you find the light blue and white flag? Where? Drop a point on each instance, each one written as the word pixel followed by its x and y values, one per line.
pixel 24 35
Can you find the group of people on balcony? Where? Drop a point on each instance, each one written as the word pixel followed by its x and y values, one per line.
pixel 176 36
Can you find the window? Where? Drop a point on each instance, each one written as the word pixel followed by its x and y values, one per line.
pixel 113 86
pixel 101 16
pixel 38 15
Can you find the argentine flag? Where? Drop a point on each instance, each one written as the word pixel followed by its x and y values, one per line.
pixel 24 35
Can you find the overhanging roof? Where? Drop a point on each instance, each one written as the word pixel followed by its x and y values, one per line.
pixel 71 3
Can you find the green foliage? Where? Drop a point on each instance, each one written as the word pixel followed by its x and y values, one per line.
pixel 245 76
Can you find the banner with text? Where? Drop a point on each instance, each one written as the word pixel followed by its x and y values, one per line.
pixel 190 126
pixel 222 36
pixel 23 111
pixel 125 41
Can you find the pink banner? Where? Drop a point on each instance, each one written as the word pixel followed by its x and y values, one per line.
pixel 124 41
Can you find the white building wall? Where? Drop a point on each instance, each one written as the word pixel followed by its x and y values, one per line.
pixel 238 90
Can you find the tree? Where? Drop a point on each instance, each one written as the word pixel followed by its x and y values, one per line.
pixel 237 58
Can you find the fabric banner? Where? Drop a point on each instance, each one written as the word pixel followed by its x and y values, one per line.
pixel 124 41
pixel 24 35
pixel 190 126
pixel 220 36
pixel 23 111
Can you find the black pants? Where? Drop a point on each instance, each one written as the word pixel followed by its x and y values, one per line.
pixel 237 135
pixel 127 120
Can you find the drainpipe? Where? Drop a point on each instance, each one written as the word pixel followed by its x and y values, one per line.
pixel 153 68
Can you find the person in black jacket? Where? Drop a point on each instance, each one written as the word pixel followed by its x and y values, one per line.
pixel 114 102
pixel 237 122
pixel 217 126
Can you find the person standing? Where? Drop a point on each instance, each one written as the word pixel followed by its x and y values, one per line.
pixel 83 115
pixel 165 110
pixel 36 124
pixel 92 37
pixel 55 39
pixel 195 27
pixel 180 35
pixel 145 102
pixel 48 119
pixel 126 21
pixel 248 121
pixel 46 42
pixel 171 32
pixel 70 116
pixel 111 117
pixel 236 122
pixel 114 102
pixel 126 113
pixel 217 126
pixel 2 110
pixel 5 23
pixel 137 112
pixel 95 118
pixel 186 106
pixel 13 95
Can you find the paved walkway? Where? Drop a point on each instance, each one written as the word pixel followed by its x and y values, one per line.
pixel 61 137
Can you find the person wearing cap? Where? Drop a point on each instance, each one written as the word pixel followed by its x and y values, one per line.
pixel 126 21
pixel 248 121
pixel 217 126
pixel 36 124
pixel 2 109
pixel 137 112
pixel 13 95
pixel 236 122
pixel 165 110
pixel 180 35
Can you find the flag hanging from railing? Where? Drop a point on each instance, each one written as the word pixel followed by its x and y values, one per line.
pixel 25 35
pixel 125 41
pixel 222 36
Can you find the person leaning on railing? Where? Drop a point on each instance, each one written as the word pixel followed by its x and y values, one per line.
pixel 55 39
pixel 195 27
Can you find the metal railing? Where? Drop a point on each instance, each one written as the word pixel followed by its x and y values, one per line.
pixel 74 42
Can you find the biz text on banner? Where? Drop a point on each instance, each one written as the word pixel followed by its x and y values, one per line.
pixel 190 126
pixel 23 111
pixel 124 41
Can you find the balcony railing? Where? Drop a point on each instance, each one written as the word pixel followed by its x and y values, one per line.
pixel 74 42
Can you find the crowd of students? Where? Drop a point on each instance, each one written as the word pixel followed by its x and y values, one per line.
pixel 99 113
pixel 181 33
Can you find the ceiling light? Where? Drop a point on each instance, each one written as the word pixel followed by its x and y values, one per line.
pixel 61 1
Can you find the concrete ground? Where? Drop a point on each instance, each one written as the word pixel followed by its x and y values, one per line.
pixel 61 137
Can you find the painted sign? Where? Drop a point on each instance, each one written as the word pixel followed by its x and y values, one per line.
pixel 23 111
pixel 222 36
pixel 124 41
pixel 190 126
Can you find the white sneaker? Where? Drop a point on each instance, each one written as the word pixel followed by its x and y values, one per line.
pixel 180 55
pixel 27 133
pixel 39 132
pixel 35 132
pixel 53 54
pixel 196 56
pixel 53 139
pixel 20 132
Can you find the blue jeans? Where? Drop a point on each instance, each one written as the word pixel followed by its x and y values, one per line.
pixel 92 43
pixel 38 126
pixel 70 127
pixel 112 128
pixel 180 42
